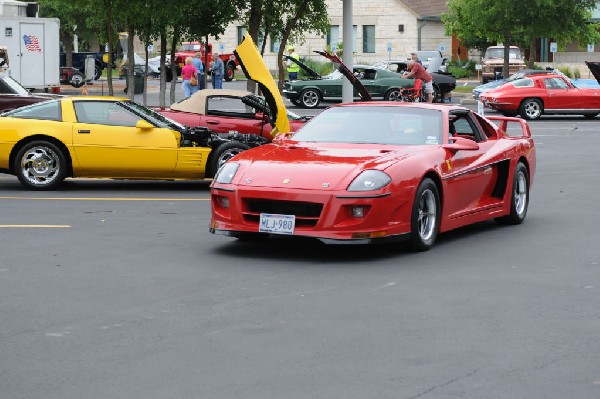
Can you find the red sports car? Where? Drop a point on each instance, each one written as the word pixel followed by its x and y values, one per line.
pixel 225 110
pixel 365 172
pixel 549 93
pixel 13 95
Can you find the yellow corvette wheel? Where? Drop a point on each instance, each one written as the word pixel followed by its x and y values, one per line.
pixel 40 165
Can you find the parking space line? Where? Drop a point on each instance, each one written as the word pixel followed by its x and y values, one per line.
pixel 35 226
pixel 102 199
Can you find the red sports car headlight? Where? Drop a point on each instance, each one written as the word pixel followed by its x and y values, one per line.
pixel 370 180
pixel 227 172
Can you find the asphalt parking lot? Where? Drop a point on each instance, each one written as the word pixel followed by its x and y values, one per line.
pixel 113 288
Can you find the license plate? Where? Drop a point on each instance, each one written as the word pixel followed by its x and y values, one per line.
pixel 277 224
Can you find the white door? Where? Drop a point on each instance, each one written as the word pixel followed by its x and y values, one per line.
pixel 32 54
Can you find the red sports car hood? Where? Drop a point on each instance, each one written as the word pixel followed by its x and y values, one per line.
pixel 313 166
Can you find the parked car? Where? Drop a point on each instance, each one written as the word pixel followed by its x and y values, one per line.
pixel 189 49
pixel 109 137
pixel 101 60
pixel 229 110
pixel 442 83
pixel 589 83
pixel 309 92
pixel 432 60
pixel 370 171
pixel 13 95
pixel 544 94
pixel 492 62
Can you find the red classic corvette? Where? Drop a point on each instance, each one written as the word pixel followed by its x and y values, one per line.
pixel 549 93
pixel 225 110
pixel 367 172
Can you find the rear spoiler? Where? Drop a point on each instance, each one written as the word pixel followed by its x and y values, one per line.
pixel 504 120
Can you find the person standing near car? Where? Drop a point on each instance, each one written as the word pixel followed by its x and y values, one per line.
pixel 187 73
pixel 415 58
pixel 199 65
pixel 217 70
pixel 292 67
pixel 417 71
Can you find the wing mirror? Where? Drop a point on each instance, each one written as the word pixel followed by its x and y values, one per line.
pixel 261 116
pixel 461 143
pixel 142 124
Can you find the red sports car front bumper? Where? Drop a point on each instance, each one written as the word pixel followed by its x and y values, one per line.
pixel 331 216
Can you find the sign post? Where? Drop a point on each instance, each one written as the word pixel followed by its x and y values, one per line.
pixel 553 49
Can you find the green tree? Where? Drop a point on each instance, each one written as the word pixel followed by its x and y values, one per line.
pixel 284 21
pixel 516 22
pixel 72 22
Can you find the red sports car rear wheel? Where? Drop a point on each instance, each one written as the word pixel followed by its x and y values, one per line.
pixel 520 197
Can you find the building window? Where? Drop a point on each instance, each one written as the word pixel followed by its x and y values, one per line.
pixel 333 37
pixel 354 38
pixel 368 38
pixel 275 45
pixel 241 31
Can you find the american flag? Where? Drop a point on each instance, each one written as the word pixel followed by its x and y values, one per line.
pixel 32 43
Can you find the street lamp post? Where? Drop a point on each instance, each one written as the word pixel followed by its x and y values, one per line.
pixel 347 89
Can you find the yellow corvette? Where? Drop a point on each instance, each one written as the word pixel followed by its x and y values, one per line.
pixel 44 143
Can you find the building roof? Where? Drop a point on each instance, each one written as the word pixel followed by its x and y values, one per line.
pixel 430 8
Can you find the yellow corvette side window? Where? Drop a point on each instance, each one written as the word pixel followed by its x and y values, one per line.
pixel 104 113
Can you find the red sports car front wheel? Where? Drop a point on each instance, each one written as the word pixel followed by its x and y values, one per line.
pixel 425 219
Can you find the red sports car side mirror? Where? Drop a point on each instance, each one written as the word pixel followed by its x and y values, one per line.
pixel 461 143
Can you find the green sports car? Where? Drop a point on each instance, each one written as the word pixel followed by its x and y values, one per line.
pixel 309 92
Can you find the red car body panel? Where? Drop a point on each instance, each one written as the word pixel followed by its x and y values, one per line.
pixel 13 95
pixel 208 111
pixel 556 94
pixel 310 180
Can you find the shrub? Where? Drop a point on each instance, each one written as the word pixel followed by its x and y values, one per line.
pixel 322 68
pixel 566 71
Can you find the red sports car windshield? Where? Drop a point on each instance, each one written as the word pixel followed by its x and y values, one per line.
pixel 375 125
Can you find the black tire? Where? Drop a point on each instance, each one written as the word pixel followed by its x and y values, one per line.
pixel 425 216
pixel 222 154
pixel 229 73
pixel 310 98
pixel 77 79
pixel 97 71
pixel 40 165
pixel 393 95
pixel 436 95
pixel 590 115
pixel 531 108
pixel 519 199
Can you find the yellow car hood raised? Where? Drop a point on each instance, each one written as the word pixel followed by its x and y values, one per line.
pixel 255 69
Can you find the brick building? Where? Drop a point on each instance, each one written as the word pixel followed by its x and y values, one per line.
pixel 382 29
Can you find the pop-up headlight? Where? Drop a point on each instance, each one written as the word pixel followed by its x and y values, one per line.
pixel 370 180
pixel 227 172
